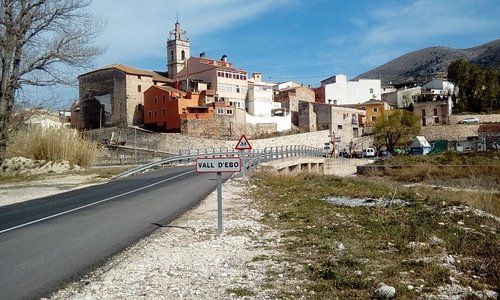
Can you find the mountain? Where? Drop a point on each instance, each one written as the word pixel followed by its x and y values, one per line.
pixel 415 66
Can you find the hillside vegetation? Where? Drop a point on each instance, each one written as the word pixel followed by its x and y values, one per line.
pixel 414 66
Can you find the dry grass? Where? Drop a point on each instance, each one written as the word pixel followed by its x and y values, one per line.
pixel 471 178
pixel 376 239
pixel 53 145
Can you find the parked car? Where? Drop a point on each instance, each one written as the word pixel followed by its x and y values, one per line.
pixel 357 154
pixel 368 152
pixel 469 121
pixel 383 153
pixel 344 153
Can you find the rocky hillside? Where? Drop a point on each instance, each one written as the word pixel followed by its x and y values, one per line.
pixel 414 66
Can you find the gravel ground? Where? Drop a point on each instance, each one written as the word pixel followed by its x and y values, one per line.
pixel 188 260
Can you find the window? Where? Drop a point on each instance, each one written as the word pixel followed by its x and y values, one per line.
pixel 339 127
pixel 374 118
pixel 435 111
pixel 163 98
pixel 436 120
pixel 156 100
pixel 229 111
pixel 156 113
pixel 374 109
pixel 139 88
pixel 371 91
pixel 220 111
pixel 227 75
pixel 164 111
pixel 149 114
pixel 172 55
pixel 183 55
pixel 423 112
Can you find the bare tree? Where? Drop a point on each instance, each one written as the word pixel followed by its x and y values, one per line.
pixel 41 41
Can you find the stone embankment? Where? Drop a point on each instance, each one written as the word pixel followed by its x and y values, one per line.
pixel 454 119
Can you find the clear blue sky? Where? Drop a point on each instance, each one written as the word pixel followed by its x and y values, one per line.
pixel 301 40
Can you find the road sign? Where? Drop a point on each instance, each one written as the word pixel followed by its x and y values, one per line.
pixel 243 143
pixel 218 164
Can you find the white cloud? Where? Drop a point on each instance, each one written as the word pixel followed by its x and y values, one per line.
pixel 139 30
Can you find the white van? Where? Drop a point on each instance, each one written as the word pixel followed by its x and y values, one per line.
pixel 369 152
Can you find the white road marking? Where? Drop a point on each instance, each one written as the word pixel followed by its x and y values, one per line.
pixel 94 203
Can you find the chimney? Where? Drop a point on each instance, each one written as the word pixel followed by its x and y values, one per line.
pixel 202 54
pixel 224 58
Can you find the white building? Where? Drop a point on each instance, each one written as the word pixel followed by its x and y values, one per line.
pixel 440 86
pixel 286 85
pixel 260 97
pixel 403 97
pixel 340 91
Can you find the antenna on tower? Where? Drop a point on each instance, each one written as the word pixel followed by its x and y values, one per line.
pixel 177 16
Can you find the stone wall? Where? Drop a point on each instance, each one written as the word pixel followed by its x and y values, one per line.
pixel 164 142
pixel 225 127
pixel 454 119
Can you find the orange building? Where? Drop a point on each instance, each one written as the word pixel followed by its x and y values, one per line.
pixel 164 105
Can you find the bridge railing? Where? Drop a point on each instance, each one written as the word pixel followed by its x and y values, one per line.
pixel 250 158
pixel 281 152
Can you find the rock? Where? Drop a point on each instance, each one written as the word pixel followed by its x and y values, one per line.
pixel 410 287
pixel 449 260
pixel 384 292
pixel 460 223
pixel 491 294
pixel 340 247
pixel 435 241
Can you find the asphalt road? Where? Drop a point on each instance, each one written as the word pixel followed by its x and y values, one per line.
pixel 48 241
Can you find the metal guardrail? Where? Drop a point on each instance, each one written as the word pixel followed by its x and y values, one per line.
pixel 281 152
pixel 250 158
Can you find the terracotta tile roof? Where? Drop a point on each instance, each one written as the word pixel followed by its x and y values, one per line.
pixel 156 75
pixel 495 127
pixel 219 64
pixel 168 89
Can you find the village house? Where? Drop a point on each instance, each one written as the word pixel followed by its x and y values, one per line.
pixel 319 94
pixel 439 86
pixel 289 97
pixel 341 91
pixel 260 98
pixel 403 97
pixel 433 112
pixel 345 122
pixel 227 81
pixel 374 110
pixel 163 107
pixel 113 96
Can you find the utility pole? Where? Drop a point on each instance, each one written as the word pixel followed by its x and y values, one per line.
pixel 135 144
pixel 332 141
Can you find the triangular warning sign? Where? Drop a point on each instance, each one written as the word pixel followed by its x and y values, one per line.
pixel 243 143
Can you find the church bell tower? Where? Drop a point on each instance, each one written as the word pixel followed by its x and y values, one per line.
pixel 177 50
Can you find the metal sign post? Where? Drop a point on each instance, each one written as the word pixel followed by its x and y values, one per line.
pixel 219 203
pixel 218 165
